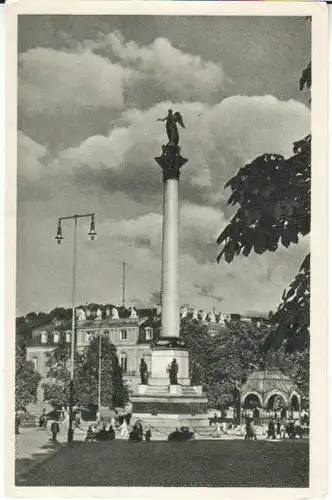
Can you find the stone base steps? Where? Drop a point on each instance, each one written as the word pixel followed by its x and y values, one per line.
pixel 164 390
pixel 188 391
pixel 155 390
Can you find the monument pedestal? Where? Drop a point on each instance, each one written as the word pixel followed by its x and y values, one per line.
pixel 166 406
pixel 161 358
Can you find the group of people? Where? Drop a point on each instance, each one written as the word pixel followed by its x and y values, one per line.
pixel 250 430
pixel 134 434
pixel 284 428
pixel 100 435
pixel 276 429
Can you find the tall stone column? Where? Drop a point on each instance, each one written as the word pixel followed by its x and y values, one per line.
pixel 171 161
pixel 170 261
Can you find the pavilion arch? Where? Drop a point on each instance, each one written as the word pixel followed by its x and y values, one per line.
pixel 273 395
pixel 295 401
pixel 251 396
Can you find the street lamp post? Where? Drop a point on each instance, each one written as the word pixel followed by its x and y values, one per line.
pixel 99 375
pixel 92 233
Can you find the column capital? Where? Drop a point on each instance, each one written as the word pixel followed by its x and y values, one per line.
pixel 170 162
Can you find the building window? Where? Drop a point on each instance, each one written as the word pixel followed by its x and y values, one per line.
pixel 123 335
pixel 123 362
pixel 44 337
pixel 56 337
pixel 68 337
pixel 148 333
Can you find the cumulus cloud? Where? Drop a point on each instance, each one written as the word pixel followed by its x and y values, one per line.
pixel 31 158
pixel 53 81
pixel 164 69
pixel 199 230
pixel 112 73
pixel 231 133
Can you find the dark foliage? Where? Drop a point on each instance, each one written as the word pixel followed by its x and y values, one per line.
pixel 26 379
pixel 114 392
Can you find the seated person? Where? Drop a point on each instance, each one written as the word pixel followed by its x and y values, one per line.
pixel 102 435
pixel 90 435
pixel 135 435
pixel 184 434
pixel 111 433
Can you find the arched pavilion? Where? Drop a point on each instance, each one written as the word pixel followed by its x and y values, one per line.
pixel 263 389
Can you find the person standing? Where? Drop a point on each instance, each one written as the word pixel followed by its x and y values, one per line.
pixel 148 433
pixel 291 430
pixel 143 370
pixel 124 430
pixel 55 429
pixel 248 429
pixel 278 431
pixel 255 414
pixel 43 419
pixel 271 433
pixel 253 430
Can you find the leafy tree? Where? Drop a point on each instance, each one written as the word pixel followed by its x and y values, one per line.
pixel 113 390
pixel 61 314
pixel 273 194
pixel 200 346
pixel 223 359
pixel 56 391
pixel 26 379
pixel 23 330
pixel 237 354
pixel 113 393
pixel 218 362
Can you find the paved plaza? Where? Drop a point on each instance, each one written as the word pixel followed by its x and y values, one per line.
pixel 222 463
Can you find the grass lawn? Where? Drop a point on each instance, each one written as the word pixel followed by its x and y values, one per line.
pixel 159 463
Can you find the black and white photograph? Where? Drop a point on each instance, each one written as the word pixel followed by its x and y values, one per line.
pixel 164 249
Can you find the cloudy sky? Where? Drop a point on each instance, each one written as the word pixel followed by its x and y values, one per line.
pixel 90 91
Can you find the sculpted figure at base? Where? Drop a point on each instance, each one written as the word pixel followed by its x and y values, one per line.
pixel 173 372
pixel 143 371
